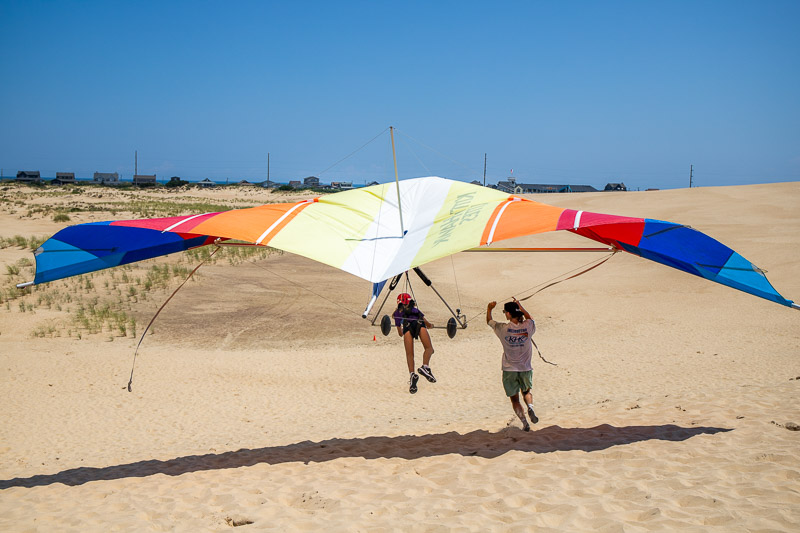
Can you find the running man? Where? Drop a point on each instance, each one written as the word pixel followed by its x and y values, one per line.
pixel 516 337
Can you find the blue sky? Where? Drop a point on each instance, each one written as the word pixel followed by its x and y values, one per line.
pixel 560 92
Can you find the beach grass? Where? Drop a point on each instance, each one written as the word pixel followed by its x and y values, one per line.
pixel 110 302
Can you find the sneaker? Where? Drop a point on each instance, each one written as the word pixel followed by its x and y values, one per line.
pixel 413 383
pixel 532 415
pixel 427 373
pixel 525 425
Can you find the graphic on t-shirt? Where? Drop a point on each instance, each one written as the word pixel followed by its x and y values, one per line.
pixel 516 337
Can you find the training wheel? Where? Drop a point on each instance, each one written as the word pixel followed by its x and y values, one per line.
pixel 386 325
pixel 451 327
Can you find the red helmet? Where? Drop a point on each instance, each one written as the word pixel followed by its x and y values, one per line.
pixel 404 298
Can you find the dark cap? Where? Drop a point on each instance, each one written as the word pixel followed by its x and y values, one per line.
pixel 512 307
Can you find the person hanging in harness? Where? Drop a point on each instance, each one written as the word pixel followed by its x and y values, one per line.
pixel 516 336
pixel 411 325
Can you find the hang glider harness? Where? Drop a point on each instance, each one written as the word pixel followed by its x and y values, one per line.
pixel 453 323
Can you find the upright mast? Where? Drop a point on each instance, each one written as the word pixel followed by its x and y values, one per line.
pixel 397 183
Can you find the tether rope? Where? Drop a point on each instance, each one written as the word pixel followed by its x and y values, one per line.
pixel 133 366
pixel 609 256
pixel 549 283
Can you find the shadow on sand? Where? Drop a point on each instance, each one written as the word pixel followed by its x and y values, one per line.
pixel 478 443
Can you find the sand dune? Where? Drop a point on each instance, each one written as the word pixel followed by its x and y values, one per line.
pixel 262 401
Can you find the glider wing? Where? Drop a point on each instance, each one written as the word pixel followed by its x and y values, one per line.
pixel 360 231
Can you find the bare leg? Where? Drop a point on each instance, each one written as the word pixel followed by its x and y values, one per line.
pixel 519 411
pixel 528 402
pixel 528 397
pixel 425 338
pixel 408 342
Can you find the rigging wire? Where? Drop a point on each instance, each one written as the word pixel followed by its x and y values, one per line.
pixel 377 235
pixel 353 152
pixel 455 279
pixel 436 151
pixel 408 147
pixel 305 288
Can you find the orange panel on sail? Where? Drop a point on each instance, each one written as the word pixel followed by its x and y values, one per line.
pixel 522 217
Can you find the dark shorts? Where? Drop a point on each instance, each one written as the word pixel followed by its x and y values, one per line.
pixel 414 327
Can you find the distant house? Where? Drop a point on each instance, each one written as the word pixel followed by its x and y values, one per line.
pixel 245 182
pixel 507 186
pixel 64 178
pixel 539 188
pixel 476 182
pixel 144 180
pixel 176 181
pixel 28 176
pixel 311 182
pixel 106 178
pixel 370 184
pixel 295 184
pixel 582 188
pixel 206 183
pixel 342 185
pixel 511 186
pixel 615 187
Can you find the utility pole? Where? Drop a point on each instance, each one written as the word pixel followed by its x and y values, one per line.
pixel 691 171
pixel 484 169
pixel 267 169
pixel 136 162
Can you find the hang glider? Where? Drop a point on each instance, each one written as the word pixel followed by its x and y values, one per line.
pixel 380 231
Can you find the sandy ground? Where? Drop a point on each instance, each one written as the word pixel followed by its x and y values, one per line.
pixel 263 401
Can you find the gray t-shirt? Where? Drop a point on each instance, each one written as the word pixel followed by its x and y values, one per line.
pixel 517 344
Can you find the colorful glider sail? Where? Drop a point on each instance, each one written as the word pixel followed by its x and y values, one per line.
pixel 359 231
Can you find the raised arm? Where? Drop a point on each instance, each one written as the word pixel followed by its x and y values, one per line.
pixel 489 311
pixel 524 312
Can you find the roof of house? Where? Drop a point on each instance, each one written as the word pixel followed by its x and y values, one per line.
pixel 543 187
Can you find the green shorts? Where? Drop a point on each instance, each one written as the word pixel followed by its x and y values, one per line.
pixel 513 382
